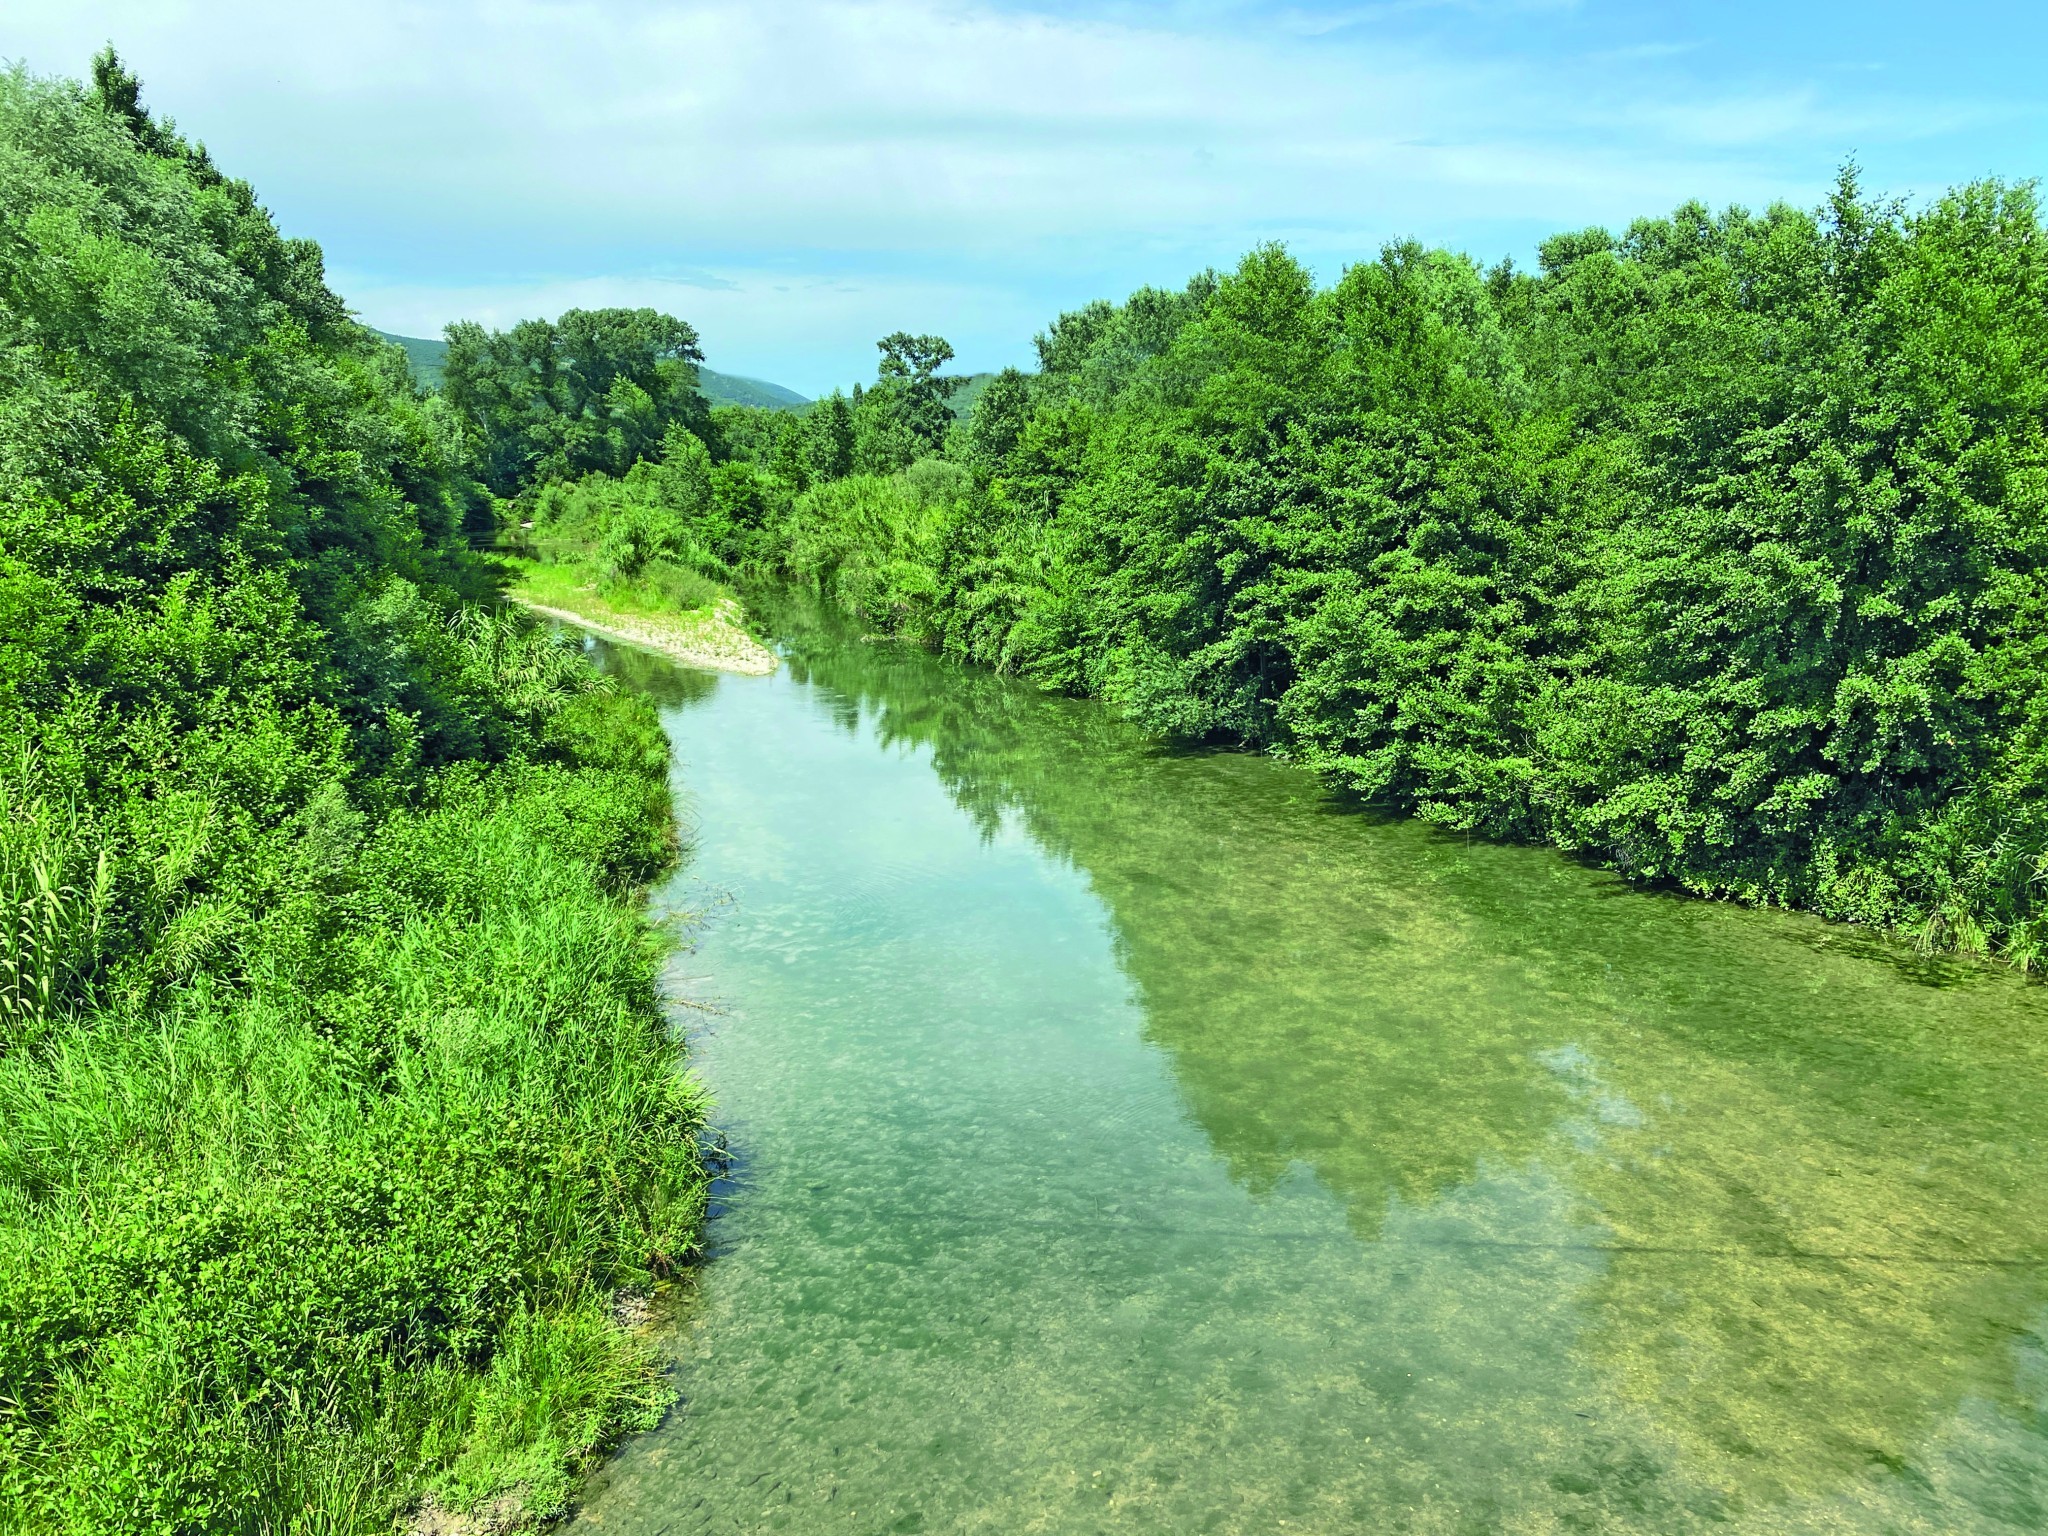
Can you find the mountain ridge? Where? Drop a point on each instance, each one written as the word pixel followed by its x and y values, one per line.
pixel 427 354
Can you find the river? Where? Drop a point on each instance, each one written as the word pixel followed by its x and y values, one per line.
pixel 1139 1140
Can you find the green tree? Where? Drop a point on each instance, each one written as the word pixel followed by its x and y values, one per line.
pixel 1712 549
pixel 829 438
pixel 595 390
pixel 119 94
pixel 997 421
pixel 903 417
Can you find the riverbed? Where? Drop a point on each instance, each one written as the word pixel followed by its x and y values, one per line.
pixel 1130 1139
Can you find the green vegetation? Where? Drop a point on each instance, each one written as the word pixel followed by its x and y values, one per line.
pixel 736 389
pixel 658 543
pixel 565 417
pixel 573 586
pixel 336 1100
pixel 624 503
pixel 595 390
pixel 907 415
pixel 425 357
pixel 629 557
pixel 1712 550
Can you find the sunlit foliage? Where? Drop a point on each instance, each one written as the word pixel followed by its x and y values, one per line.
pixel 335 1099
pixel 596 390
pixel 1712 550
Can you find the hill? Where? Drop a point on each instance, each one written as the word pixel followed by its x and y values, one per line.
pixel 965 393
pixel 427 354
pixel 732 389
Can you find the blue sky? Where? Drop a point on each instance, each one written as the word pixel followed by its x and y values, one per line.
pixel 799 178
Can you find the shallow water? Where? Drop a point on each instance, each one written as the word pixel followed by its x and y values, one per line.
pixel 1140 1141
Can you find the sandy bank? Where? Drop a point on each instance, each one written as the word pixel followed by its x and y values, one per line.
pixel 713 641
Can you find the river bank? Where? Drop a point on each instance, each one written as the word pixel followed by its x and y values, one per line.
pixel 336 1094
pixel 713 638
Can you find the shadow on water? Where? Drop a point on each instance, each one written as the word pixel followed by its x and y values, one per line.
pixel 1811 1159
pixel 1649 1214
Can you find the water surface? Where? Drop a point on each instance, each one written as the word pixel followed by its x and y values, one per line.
pixel 1133 1140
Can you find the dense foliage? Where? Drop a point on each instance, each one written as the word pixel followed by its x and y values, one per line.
pixel 596 390
pixel 335 1096
pixel 1712 550
pixel 711 497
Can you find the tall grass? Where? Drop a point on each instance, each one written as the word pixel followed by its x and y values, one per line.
pixel 303 1238
pixel 55 892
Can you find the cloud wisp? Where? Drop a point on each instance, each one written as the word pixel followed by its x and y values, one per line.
pixel 967 162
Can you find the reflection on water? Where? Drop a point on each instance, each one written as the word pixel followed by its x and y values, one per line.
pixel 1139 1141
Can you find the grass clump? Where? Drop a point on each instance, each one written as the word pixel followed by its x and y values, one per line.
pixel 562 1382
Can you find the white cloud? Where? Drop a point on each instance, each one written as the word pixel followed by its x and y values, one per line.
pixel 510 152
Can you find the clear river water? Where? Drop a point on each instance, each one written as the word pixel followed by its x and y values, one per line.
pixel 1139 1140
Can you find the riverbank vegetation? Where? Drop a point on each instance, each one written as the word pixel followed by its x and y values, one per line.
pixel 336 1099
pixel 1711 550
pixel 638 557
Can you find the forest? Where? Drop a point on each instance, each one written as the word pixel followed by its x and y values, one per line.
pixel 338 1107
pixel 1710 551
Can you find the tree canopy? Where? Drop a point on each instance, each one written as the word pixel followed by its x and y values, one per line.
pixel 593 391
pixel 1712 549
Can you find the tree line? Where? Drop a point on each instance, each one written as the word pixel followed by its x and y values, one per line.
pixel 1710 550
